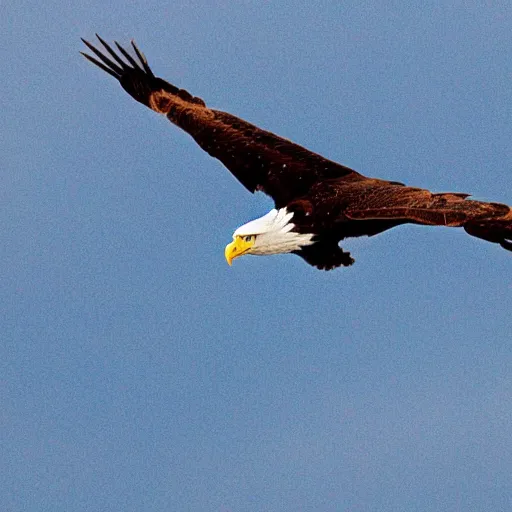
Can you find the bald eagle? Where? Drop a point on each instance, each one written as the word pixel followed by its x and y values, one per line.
pixel 318 202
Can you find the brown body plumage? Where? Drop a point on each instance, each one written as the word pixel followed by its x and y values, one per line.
pixel 328 199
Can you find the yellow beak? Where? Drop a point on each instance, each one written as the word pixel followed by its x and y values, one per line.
pixel 237 247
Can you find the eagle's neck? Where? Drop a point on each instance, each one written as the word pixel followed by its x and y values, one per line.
pixel 275 233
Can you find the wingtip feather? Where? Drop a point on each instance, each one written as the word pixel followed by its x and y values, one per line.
pixel 101 65
pixel 127 56
pixel 142 58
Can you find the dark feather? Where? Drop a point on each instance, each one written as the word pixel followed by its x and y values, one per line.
pixel 116 69
pixel 113 53
pixel 100 65
pixel 325 255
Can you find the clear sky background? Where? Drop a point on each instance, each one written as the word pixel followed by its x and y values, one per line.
pixel 138 372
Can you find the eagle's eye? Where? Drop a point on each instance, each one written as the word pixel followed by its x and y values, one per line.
pixel 248 238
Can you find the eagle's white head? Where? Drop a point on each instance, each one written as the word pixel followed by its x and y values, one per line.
pixel 270 234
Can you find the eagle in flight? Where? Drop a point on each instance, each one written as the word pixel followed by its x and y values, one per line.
pixel 318 202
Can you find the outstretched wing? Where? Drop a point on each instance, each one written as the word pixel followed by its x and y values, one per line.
pixel 259 159
pixel 373 200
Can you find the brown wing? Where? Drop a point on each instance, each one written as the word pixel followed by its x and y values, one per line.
pixel 259 159
pixel 372 200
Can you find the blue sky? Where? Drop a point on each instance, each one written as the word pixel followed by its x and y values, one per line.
pixel 140 372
